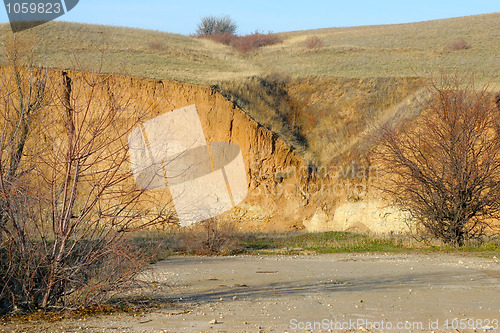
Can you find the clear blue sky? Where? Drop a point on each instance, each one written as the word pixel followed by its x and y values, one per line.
pixel 268 15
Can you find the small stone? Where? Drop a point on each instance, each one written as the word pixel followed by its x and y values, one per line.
pixel 235 298
pixel 213 322
pixel 221 299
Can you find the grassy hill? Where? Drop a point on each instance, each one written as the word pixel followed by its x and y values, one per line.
pixel 415 49
pixel 319 100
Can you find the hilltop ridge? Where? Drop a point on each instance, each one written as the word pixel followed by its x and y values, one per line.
pixel 402 50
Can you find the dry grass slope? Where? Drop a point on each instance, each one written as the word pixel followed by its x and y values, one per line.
pixel 415 49
pixel 298 92
pixel 323 117
pixel 134 52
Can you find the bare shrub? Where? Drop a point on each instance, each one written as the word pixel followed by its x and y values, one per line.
pixel 226 38
pixel 212 25
pixel 457 45
pixel 248 43
pixel 156 45
pixel 67 194
pixel 313 42
pixel 444 167
pixel 210 237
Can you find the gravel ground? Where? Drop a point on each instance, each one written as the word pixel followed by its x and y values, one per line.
pixel 318 293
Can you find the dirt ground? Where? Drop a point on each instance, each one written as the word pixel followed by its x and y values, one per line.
pixel 316 293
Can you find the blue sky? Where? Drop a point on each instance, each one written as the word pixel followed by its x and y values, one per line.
pixel 268 15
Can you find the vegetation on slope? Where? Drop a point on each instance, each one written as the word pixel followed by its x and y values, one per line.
pixel 322 117
pixel 416 49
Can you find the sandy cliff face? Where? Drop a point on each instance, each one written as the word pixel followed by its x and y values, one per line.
pixel 274 170
pixel 271 164
pixel 285 193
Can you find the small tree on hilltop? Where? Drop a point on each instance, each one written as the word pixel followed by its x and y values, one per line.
pixel 212 25
pixel 444 167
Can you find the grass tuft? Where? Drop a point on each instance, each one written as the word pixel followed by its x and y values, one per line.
pixel 313 42
pixel 457 45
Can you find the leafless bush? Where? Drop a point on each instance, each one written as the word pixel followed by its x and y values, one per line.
pixel 248 43
pixel 226 38
pixel 156 45
pixel 212 25
pixel 313 42
pixel 444 167
pixel 211 237
pixel 459 44
pixel 67 195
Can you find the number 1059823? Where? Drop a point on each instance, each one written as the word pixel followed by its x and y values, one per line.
pixel 34 8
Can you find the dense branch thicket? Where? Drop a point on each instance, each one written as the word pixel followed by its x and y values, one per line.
pixel 212 25
pixel 67 194
pixel 444 167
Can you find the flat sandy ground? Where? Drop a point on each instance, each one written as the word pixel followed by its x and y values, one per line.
pixel 318 293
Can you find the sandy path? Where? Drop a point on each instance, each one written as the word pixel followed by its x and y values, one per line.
pixel 341 292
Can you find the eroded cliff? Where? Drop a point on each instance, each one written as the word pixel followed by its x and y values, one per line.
pixel 286 192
